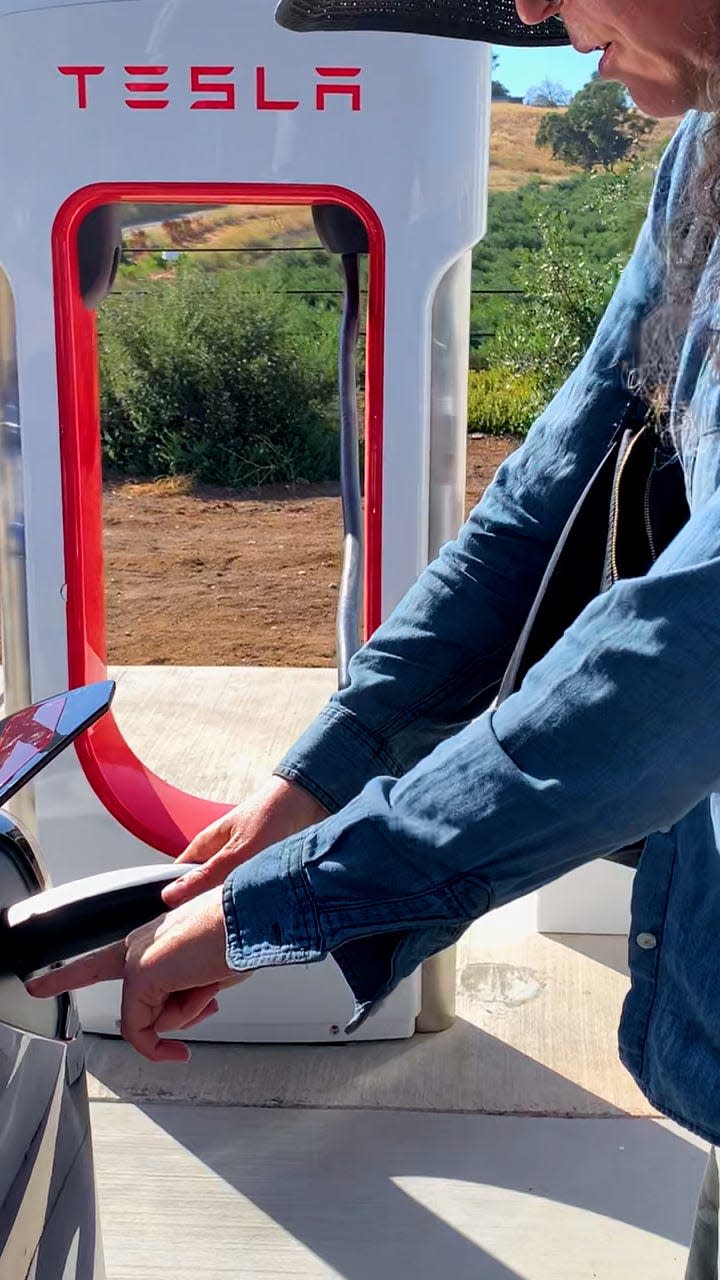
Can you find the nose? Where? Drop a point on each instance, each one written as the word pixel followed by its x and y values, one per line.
pixel 531 12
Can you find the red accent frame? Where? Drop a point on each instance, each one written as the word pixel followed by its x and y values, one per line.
pixel 158 813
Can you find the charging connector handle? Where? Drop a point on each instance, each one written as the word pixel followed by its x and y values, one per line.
pixel 61 923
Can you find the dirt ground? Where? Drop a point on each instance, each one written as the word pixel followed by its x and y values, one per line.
pixel 213 577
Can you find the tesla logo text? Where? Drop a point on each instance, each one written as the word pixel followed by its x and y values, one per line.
pixel 149 88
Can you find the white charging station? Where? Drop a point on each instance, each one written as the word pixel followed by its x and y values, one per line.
pixel 142 101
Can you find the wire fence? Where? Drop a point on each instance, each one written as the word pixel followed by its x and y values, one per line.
pixel 475 335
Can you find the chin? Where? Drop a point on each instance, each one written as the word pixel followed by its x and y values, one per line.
pixel 660 100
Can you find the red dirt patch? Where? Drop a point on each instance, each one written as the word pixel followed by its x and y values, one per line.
pixel 215 577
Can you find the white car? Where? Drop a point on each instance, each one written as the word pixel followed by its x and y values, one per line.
pixel 48 1210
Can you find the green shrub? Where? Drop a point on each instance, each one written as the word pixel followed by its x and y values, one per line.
pixel 501 402
pixel 602 215
pixel 216 376
pixel 566 291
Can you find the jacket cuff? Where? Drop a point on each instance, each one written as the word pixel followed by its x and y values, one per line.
pixel 269 915
pixel 336 757
pixel 270 889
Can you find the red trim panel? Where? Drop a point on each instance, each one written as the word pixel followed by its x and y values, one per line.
pixel 162 815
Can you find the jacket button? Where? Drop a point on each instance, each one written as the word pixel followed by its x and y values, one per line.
pixel 646 941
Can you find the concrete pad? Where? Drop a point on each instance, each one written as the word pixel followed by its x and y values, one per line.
pixel 193 1193
pixel 217 731
pixel 536 1034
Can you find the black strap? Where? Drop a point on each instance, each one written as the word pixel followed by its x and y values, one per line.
pixel 572 578
pixel 629 512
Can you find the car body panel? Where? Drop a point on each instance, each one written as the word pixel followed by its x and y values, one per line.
pixel 48 1210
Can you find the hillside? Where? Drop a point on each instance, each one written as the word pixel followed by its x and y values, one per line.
pixel 514 158
pixel 514 161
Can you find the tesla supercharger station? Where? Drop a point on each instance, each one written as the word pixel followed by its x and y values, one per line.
pixel 140 101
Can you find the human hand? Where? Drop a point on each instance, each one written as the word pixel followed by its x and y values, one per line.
pixel 279 810
pixel 171 969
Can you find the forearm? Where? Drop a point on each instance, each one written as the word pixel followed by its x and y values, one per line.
pixel 615 734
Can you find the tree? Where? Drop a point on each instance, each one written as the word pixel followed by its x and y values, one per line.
pixel 565 291
pixel 499 92
pixel 598 130
pixel 548 94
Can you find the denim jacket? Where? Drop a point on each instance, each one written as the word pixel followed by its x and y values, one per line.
pixel 444 805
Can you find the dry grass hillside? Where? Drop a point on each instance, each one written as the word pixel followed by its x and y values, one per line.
pixel 514 160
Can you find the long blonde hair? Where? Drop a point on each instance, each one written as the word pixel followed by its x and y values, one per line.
pixel 689 242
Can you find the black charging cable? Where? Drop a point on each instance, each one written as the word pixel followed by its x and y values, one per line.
pixel 342 232
pixel 350 595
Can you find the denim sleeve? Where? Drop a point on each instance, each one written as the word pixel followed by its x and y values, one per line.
pixel 437 662
pixel 442 808
pixel 613 735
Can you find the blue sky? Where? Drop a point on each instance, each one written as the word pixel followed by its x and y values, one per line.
pixel 519 69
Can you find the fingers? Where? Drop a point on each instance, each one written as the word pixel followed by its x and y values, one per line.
pixel 137 1026
pixel 96 966
pixel 183 1007
pixel 168 1051
pixel 143 1025
pixel 211 1008
pixel 206 843
pixel 168 1021
pixel 207 876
